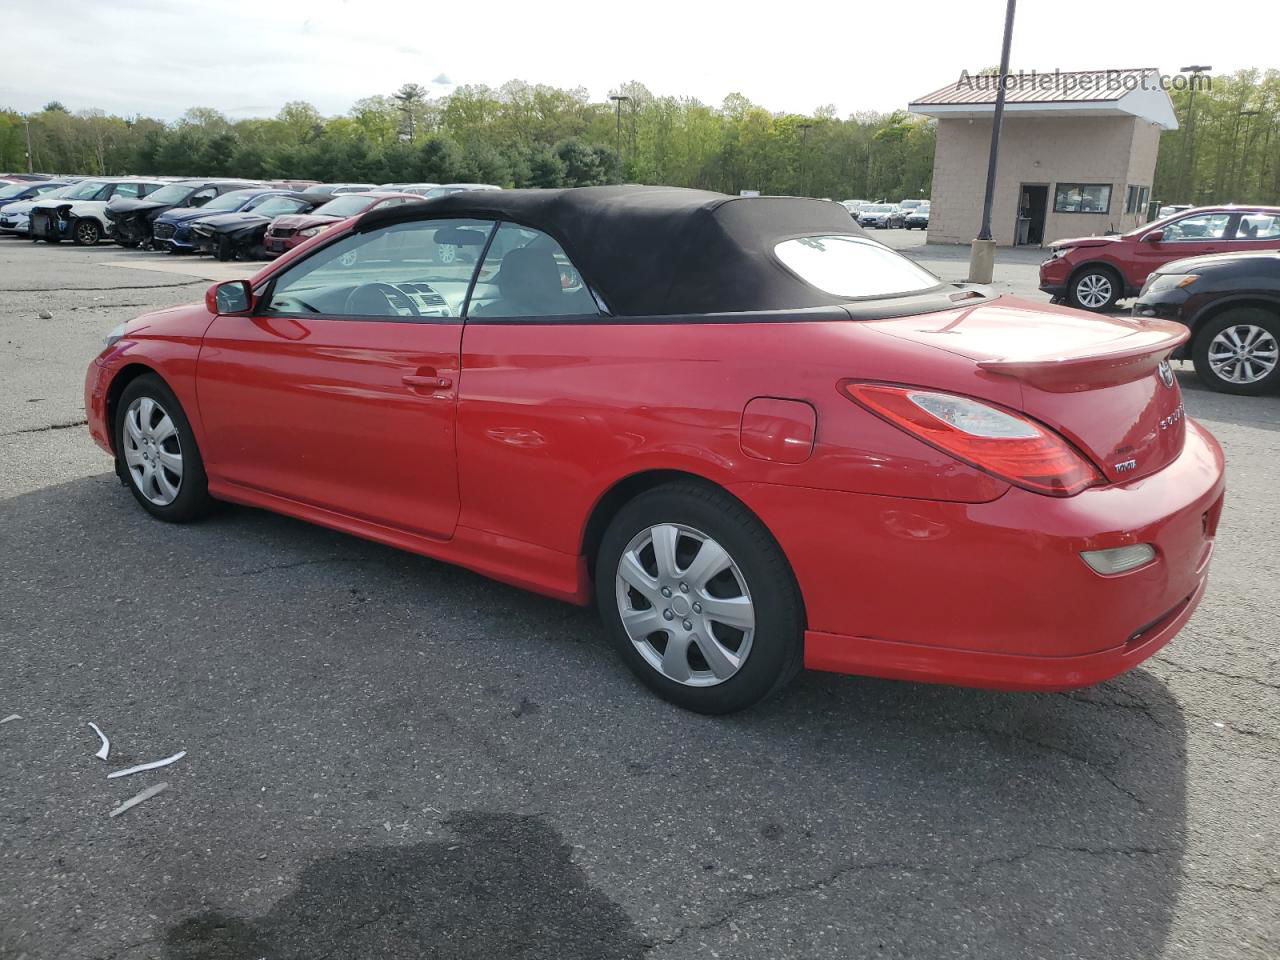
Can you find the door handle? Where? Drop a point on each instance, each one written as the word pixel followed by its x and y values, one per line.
pixel 431 383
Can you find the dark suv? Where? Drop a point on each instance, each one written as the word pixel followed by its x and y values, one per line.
pixel 1094 272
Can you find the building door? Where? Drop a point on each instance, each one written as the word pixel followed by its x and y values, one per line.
pixel 1033 204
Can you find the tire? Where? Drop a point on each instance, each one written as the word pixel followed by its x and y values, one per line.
pixel 86 232
pixel 751 663
pixel 1242 343
pixel 225 251
pixel 128 244
pixel 144 406
pixel 1095 289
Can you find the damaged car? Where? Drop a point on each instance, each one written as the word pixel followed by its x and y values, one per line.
pixel 172 229
pixel 80 215
pixel 238 236
pixel 132 218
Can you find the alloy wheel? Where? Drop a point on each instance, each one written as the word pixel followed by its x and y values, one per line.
pixel 1244 353
pixel 152 451
pixel 685 605
pixel 86 233
pixel 1093 290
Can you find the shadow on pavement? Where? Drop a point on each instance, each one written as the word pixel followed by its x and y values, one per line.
pixel 323 685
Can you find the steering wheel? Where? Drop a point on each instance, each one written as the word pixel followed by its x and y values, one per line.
pixel 372 300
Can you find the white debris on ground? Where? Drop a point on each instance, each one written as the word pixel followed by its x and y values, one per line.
pixel 106 744
pixel 12 716
pixel 133 801
pixel 148 766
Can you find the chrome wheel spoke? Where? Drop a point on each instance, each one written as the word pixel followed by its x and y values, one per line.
pixel 710 561
pixel 172 461
pixel 146 414
pixel 635 575
pixel 738 612
pixel 167 487
pixel 665 537
pixel 132 427
pixel 675 659
pixel 164 429
pixel 722 663
pixel 642 623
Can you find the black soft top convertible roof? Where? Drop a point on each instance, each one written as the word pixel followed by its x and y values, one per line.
pixel 660 250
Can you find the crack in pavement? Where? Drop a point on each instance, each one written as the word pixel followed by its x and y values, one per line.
pixel 786 892
pixel 53 426
pixel 1217 673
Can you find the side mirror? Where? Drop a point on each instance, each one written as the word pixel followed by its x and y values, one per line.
pixel 1155 236
pixel 230 298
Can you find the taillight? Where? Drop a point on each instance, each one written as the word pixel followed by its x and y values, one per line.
pixel 992 439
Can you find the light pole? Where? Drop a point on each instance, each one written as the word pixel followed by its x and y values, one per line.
pixel 804 129
pixel 1195 71
pixel 26 122
pixel 982 256
pixel 617 98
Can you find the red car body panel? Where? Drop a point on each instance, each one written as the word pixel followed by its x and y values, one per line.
pixel 1135 259
pixel 504 439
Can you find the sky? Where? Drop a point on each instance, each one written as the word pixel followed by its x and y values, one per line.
pixel 248 57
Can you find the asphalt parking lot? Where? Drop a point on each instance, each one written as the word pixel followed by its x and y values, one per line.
pixel 388 757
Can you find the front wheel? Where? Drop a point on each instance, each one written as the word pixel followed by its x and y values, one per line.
pixel 86 232
pixel 1095 288
pixel 157 454
pixel 699 599
pixel 1238 351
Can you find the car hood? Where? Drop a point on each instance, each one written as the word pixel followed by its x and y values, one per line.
pixel 19 206
pixel 1209 261
pixel 1083 242
pixel 1095 379
pixel 227 222
pixel 123 206
pixel 301 221
pixel 181 214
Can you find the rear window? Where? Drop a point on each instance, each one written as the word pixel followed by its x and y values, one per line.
pixel 847 266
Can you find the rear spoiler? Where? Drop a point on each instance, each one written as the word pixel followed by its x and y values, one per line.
pixel 1136 356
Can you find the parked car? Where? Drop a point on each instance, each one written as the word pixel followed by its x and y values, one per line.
pixel 132 218
pixel 80 215
pixel 1093 273
pixel 609 432
pixel 853 206
pixel 880 215
pixel 333 189
pixel 906 206
pixel 21 190
pixel 1169 209
pixel 290 230
pixel 172 229
pixel 15 217
pixel 1231 304
pixel 233 236
pixel 419 189
pixel 445 189
pixel 917 217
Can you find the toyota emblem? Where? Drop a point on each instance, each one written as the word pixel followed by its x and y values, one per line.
pixel 1166 373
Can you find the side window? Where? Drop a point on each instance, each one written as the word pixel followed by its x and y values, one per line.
pixel 527 274
pixel 201 197
pixel 417 269
pixel 1258 226
pixel 1203 226
pixel 126 190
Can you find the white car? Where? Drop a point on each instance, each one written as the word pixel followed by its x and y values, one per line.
pixel 15 217
pixel 78 215
pixel 447 188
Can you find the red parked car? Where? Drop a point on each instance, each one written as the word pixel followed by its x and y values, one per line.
pixel 289 231
pixel 1095 272
pixel 754 436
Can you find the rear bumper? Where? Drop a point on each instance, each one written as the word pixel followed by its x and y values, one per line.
pixel 996 594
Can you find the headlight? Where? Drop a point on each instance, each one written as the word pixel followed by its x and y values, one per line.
pixel 1060 252
pixel 311 231
pixel 114 335
pixel 1162 282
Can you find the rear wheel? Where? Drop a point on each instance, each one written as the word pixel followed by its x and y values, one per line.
pixel 699 599
pixel 1238 351
pixel 225 250
pixel 1095 288
pixel 86 232
pixel 157 454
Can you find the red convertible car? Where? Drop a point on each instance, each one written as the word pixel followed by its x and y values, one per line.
pixel 755 437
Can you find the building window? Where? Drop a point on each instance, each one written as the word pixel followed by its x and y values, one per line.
pixel 1135 199
pixel 1082 198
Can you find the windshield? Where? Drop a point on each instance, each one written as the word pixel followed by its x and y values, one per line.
pixel 345 206
pixel 274 206
pixel 229 201
pixel 83 191
pixel 174 193
pixel 910 203
pixel 849 266
pixel 441 192
pixel 14 190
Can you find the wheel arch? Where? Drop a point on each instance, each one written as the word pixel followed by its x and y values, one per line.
pixel 123 377
pixel 627 488
pixel 1239 301
pixel 1097 263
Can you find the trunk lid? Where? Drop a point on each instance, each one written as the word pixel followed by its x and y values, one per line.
pixel 1103 382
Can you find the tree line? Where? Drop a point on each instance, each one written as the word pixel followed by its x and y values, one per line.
pixel 532 135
